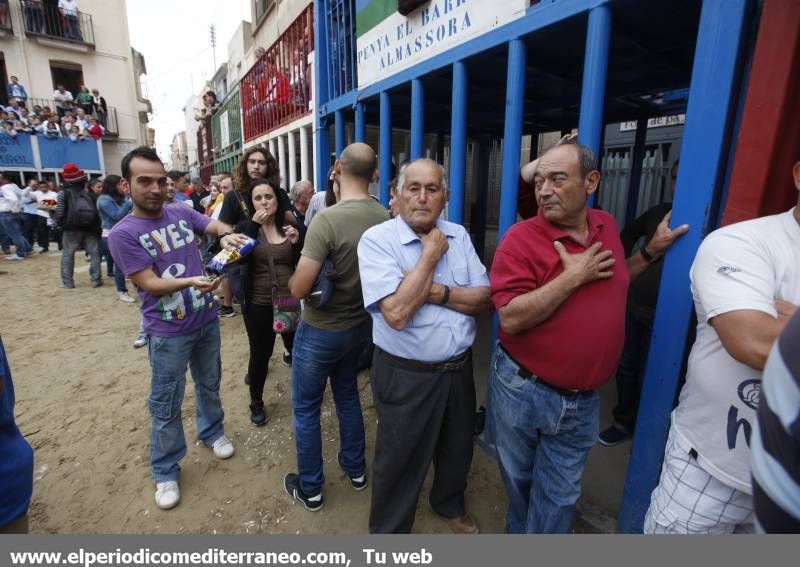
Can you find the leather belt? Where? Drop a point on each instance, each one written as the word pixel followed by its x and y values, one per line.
pixel 526 374
pixel 455 363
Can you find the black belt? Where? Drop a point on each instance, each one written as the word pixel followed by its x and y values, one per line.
pixel 522 372
pixel 455 363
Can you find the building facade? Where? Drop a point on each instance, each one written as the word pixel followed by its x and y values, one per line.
pixel 43 50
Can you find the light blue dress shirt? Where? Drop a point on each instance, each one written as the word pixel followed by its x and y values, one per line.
pixel 434 333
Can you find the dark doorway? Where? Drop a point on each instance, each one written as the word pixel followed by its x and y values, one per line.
pixel 52 19
pixel 68 74
pixel 3 80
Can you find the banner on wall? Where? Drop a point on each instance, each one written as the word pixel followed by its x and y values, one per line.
pixel 224 132
pixel 16 152
pixel 389 42
pixel 55 153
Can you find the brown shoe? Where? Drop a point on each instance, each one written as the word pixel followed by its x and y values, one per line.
pixel 465 525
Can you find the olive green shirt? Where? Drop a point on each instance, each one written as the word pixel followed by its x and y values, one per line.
pixel 334 233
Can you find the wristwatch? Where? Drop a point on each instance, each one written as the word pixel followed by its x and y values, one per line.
pixel 446 296
pixel 646 255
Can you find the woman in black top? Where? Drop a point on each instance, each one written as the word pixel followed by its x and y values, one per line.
pixel 265 205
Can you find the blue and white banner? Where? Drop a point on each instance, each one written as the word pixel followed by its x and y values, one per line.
pixel 17 152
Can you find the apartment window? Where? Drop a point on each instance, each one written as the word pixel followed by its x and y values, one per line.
pixel 261 7
pixel 68 74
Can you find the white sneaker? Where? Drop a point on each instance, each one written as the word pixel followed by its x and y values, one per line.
pixel 14 257
pixel 140 341
pixel 223 448
pixel 167 494
pixel 124 297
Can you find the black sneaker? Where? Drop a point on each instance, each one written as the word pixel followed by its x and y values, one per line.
pixel 291 484
pixel 286 358
pixel 258 415
pixel 223 311
pixel 613 436
pixel 247 379
pixel 358 483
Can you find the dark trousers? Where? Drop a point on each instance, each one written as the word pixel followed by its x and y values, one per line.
pixel 258 323
pixel 29 224
pixel 42 233
pixel 630 372
pixel 423 417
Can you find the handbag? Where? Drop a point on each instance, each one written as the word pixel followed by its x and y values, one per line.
pixel 285 308
pixel 322 289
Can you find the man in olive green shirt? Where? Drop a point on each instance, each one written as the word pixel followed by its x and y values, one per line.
pixel 330 338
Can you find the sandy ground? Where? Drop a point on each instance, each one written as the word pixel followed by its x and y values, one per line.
pixel 81 402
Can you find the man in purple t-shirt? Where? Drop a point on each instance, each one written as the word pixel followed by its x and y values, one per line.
pixel 156 247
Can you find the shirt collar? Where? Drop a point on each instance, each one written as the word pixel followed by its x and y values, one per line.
pixel 593 219
pixel 407 235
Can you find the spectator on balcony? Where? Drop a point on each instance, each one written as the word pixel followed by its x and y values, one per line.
pixel 100 107
pixel 276 91
pixel 34 16
pixel 69 12
pixel 75 134
pixel 16 92
pixel 8 129
pixel 36 125
pixel 22 128
pixel 63 100
pixel 13 109
pixel 210 106
pixel 81 118
pixel 25 116
pixel 95 130
pixel 52 129
pixel 85 100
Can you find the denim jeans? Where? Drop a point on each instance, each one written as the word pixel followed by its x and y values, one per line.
pixel 10 226
pixel 543 438
pixel 117 274
pixel 71 240
pixel 317 355
pixel 169 357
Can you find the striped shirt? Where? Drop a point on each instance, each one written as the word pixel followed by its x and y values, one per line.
pixel 776 438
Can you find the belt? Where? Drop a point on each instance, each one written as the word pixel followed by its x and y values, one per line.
pixel 522 372
pixel 455 363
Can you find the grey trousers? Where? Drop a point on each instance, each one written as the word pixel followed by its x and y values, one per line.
pixel 423 416
pixel 71 240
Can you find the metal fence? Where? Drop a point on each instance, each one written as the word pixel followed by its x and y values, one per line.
pixel 277 89
pixel 205 143
pixel 340 16
pixel 108 120
pixel 616 180
pixel 47 20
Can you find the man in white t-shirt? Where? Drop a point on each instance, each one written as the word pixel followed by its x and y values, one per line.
pixel 746 284
pixel 63 100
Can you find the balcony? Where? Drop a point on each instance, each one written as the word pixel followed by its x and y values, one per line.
pixel 109 121
pixel 341 34
pixel 5 19
pixel 46 22
pixel 277 89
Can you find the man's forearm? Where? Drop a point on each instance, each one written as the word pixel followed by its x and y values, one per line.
pixel 529 309
pixel 410 295
pixel 164 286
pixel 466 300
pixel 636 264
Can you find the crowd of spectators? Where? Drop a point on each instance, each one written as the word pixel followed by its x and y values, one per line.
pixel 84 116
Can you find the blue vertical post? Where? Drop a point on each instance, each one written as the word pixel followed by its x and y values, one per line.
pixel 385 146
pixel 417 119
pixel 321 84
pixel 458 143
pixel 720 39
pixel 512 135
pixel 593 89
pixel 339 136
pixel 636 169
pixel 361 122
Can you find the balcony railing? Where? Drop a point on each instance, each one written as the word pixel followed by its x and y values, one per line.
pixel 277 89
pixel 5 17
pixel 205 142
pixel 107 119
pixel 48 21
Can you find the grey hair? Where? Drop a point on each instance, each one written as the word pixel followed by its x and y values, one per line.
pixel 586 157
pixel 297 187
pixel 401 177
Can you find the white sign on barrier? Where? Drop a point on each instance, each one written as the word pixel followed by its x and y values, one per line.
pixel 224 133
pixel 398 42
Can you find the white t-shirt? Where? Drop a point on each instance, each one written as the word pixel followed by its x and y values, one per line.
pixel 10 196
pixel 70 7
pixel 747 265
pixel 42 196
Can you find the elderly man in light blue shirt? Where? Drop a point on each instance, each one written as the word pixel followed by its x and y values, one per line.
pixel 422 283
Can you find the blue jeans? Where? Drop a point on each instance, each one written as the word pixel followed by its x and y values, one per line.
pixel 317 355
pixel 10 226
pixel 117 274
pixel 543 438
pixel 169 357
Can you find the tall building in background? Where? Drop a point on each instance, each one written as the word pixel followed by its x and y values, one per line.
pixel 43 48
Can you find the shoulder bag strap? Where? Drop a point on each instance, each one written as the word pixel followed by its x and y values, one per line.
pixel 269 257
pixel 242 203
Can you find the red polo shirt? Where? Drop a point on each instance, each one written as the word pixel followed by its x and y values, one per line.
pixel 579 345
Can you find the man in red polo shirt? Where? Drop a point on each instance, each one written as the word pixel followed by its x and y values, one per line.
pixel 559 283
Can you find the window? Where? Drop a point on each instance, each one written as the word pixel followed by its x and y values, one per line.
pixel 261 7
pixel 68 74
pixel 3 79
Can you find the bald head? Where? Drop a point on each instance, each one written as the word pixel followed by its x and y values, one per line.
pixel 358 160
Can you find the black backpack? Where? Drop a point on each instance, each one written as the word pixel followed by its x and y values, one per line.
pixel 81 211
